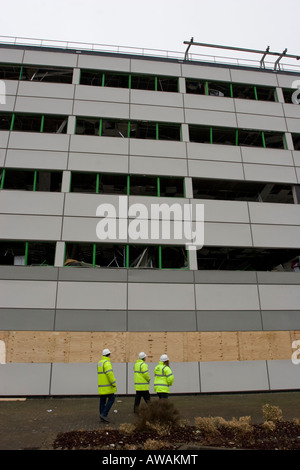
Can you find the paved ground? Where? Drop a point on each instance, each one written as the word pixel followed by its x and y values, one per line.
pixel 33 423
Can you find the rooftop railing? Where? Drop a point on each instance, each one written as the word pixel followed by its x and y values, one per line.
pixel 258 61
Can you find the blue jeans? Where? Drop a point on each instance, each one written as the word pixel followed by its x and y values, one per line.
pixel 106 402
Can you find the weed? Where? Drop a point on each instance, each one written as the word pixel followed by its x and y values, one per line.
pixel 272 413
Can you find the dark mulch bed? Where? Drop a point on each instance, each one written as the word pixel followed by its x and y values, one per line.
pixel 286 436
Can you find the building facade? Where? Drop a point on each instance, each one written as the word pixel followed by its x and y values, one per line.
pixel 81 129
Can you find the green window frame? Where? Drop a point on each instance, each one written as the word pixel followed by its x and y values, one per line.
pixel 37 186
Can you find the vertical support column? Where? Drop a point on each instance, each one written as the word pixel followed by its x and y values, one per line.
pixel 66 180
pixel 59 254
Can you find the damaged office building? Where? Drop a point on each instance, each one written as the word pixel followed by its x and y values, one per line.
pixel 83 127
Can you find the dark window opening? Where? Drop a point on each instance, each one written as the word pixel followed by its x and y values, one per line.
pixel 87 126
pixel 167 84
pixel 27 123
pixel 143 130
pixel 5 122
pixel 194 86
pixel 169 131
pixel 245 92
pixel 171 187
pixel 218 89
pixel 79 254
pixel 18 179
pixel 199 134
pixel 116 80
pixel 48 181
pixel 45 74
pixel 83 182
pixel 231 190
pixel 55 124
pixel 288 93
pixel 142 82
pixel 265 93
pixel 10 72
pixel 15 253
pixel 112 184
pixel 91 77
pixel 296 141
pixel 141 256
pixel 143 185
pixel 12 253
pixel 114 128
pixel 274 140
pixel 247 259
pixel 41 254
pixel 110 256
pixel 249 138
pixel 224 136
pixel 173 257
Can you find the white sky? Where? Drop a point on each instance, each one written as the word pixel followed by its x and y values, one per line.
pixel 157 24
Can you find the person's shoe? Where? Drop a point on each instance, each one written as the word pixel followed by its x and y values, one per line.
pixel 104 418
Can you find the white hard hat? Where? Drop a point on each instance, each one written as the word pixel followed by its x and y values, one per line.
pixel 164 358
pixel 142 355
pixel 105 352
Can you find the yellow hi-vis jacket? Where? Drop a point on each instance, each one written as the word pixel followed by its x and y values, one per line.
pixel 141 375
pixel 106 379
pixel 163 378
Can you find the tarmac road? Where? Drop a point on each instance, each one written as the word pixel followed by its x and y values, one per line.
pixel 33 423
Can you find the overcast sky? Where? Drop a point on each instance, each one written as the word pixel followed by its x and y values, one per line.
pixel 157 24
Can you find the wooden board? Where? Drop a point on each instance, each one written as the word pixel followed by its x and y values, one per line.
pixel 86 347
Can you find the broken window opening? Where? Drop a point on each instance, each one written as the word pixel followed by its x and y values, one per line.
pixel 245 92
pixel 247 259
pixel 171 187
pixel 199 134
pixel 41 254
pixel 143 130
pixel 288 93
pixel 79 254
pixel 18 179
pixel 143 82
pixel 194 86
pixel 20 253
pixel 27 123
pixel 91 77
pixel 223 136
pixel 87 126
pixel 12 253
pixel 116 80
pixel 37 73
pixel 273 140
pixel 5 121
pixel 169 84
pixel 110 183
pixel 31 180
pixel 296 141
pixel 219 89
pixel 234 190
pixel 168 131
pixel 141 256
pixel 265 93
pixel 49 181
pixel 174 257
pixel 95 255
pixel 250 138
pixel 55 124
pixel 10 72
pixel 110 256
pixel 114 128
pixel 83 182
pixel 142 185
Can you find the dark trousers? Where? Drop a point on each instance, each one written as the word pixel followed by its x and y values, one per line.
pixel 106 402
pixel 162 395
pixel 139 394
